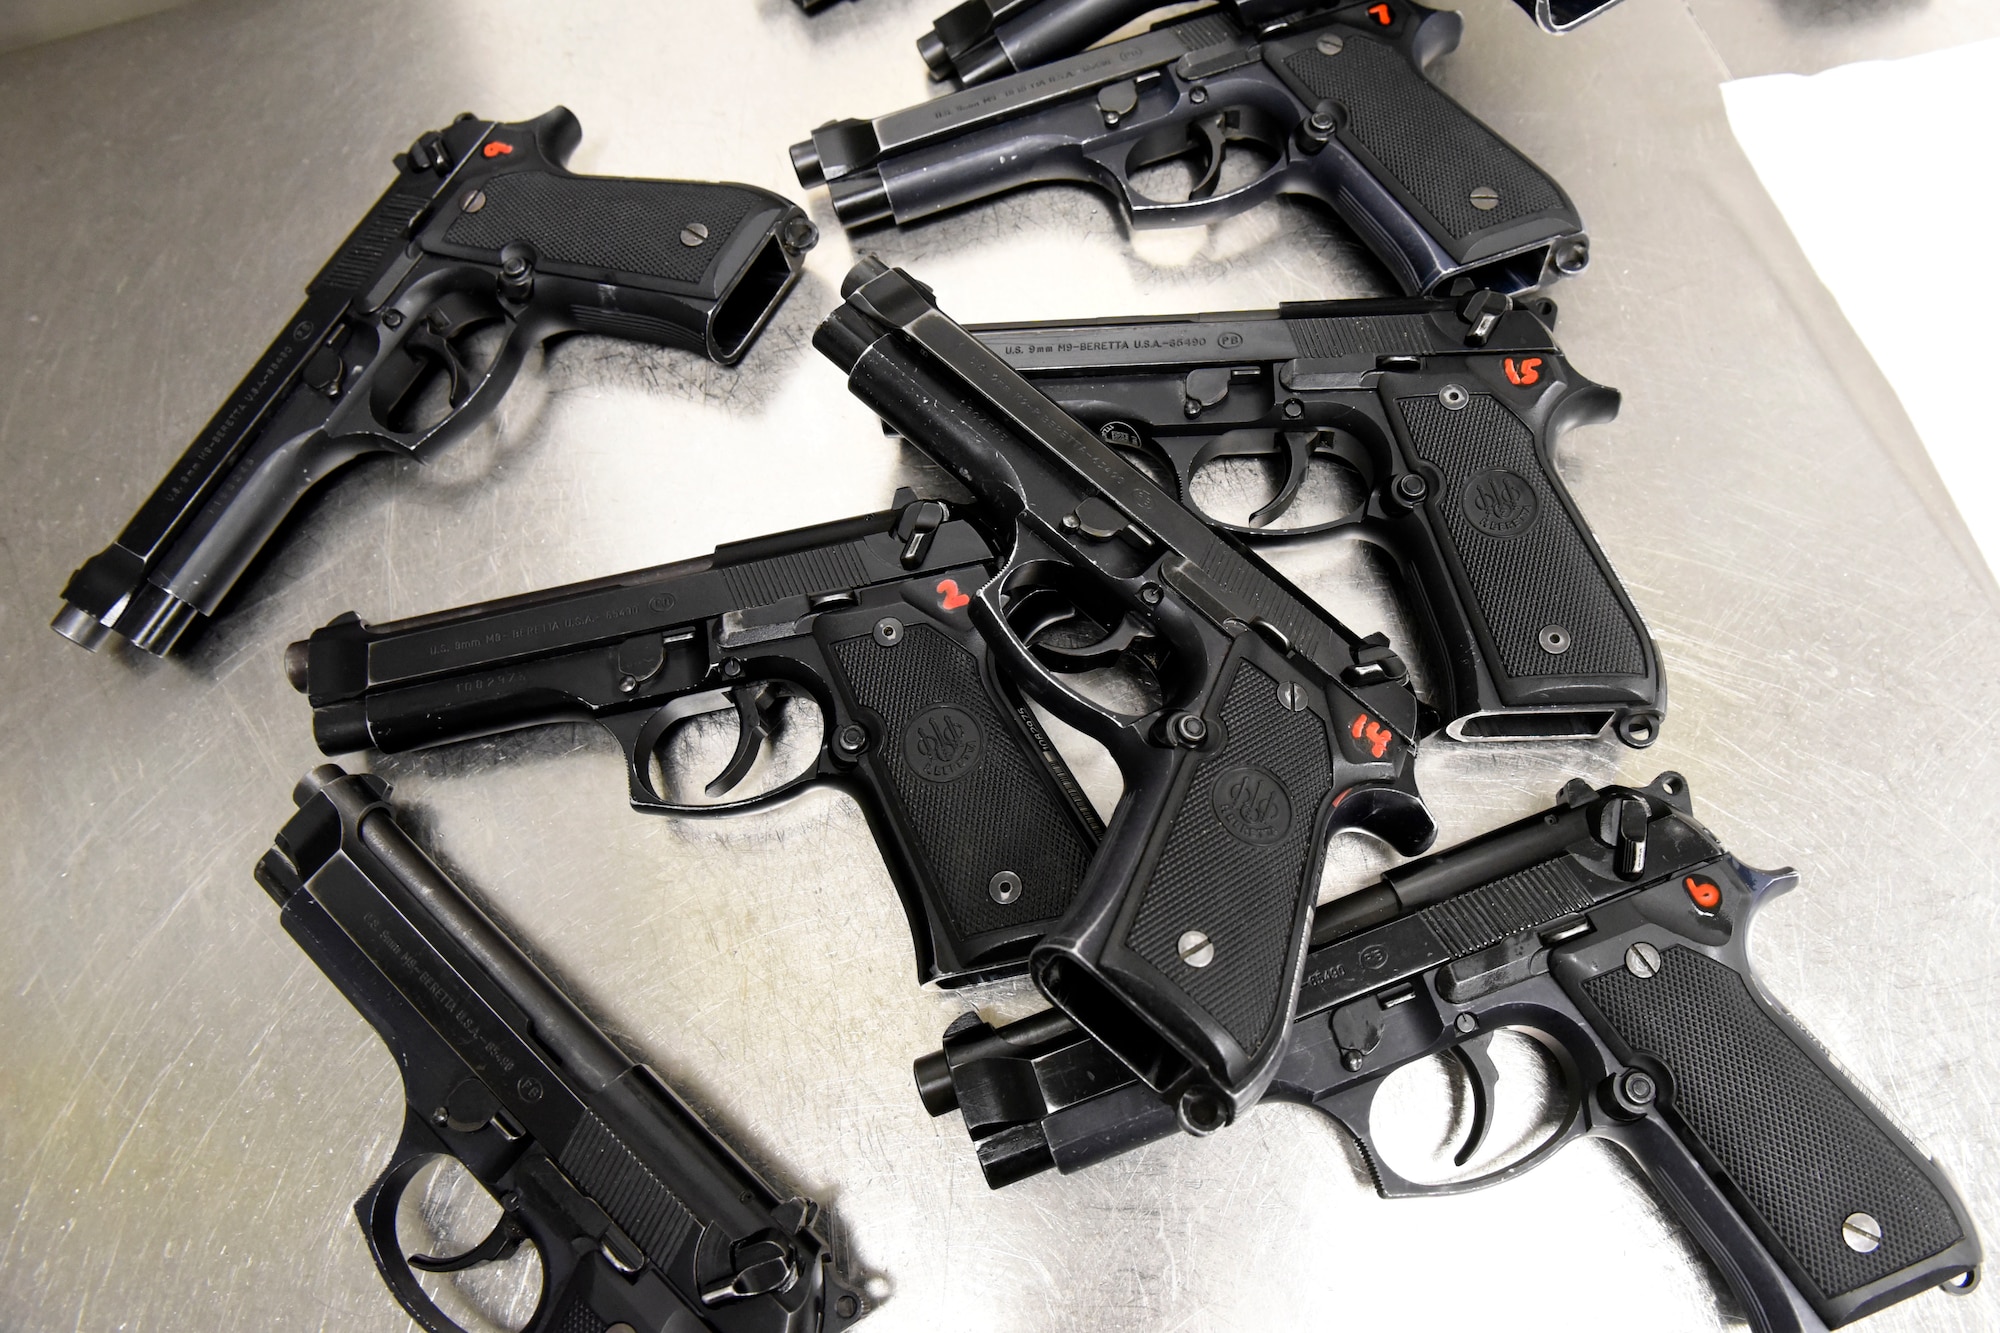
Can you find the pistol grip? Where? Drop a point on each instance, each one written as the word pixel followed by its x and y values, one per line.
pixel 690 264
pixel 979 820
pixel 1853 1212
pixel 1526 590
pixel 1183 952
pixel 1445 197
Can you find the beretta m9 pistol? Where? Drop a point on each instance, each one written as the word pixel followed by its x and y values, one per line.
pixel 1333 106
pixel 1613 931
pixel 984 39
pixel 643 1218
pixel 984 831
pixel 1273 726
pixel 483 228
pixel 1434 422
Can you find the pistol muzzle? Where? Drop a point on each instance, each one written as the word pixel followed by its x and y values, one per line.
pixel 805 164
pixel 298 664
pixel 988 60
pixel 157 619
pixel 80 627
pixel 934 1083
pixel 932 48
pixel 860 199
pixel 341 728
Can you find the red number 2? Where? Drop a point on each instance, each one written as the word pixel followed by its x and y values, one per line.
pixel 1382 14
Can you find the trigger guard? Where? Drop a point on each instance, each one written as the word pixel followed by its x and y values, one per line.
pixel 1299 459
pixel 640 736
pixel 354 416
pixel 376 1211
pixel 1144 211
pixel 1399 818
pixel 989 617
pixel 1126 633
pixel 1353 1108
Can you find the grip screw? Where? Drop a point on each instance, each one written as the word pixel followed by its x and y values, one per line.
pixel 1196 949
pixel 1454 397
pixel 517 272
pixel 1318 129
pixel 1200 1113
pixel 1485 198
pixel 474 201
pixel 1555 640
pixel 888 631
pixel 1862 1233
pixel 1292 696
pixel 851 739
pixel 1329 44
pixel 798 235
pixel 1642 960
pixel 1628 1096
pixel 694 234
pixel 1004 887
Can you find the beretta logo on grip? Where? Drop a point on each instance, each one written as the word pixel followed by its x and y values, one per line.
pixel 943 743
pixel 1252 805
pixel 1501 503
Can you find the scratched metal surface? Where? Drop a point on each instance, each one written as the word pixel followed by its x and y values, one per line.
pixel 187 1109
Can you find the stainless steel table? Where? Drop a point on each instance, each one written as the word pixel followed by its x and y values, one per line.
pixel 187 1109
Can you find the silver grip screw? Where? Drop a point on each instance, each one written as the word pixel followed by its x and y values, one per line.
pixel 1004 887
pixel 1196 949
pixel 1862 1233
pixel 1642 960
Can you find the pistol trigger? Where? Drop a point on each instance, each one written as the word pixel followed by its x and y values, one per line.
pixel 1480 1078
pixel 1298 451
pixel 1214 139
pixel 756 711
pixel 500 1243
pixel 428 343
